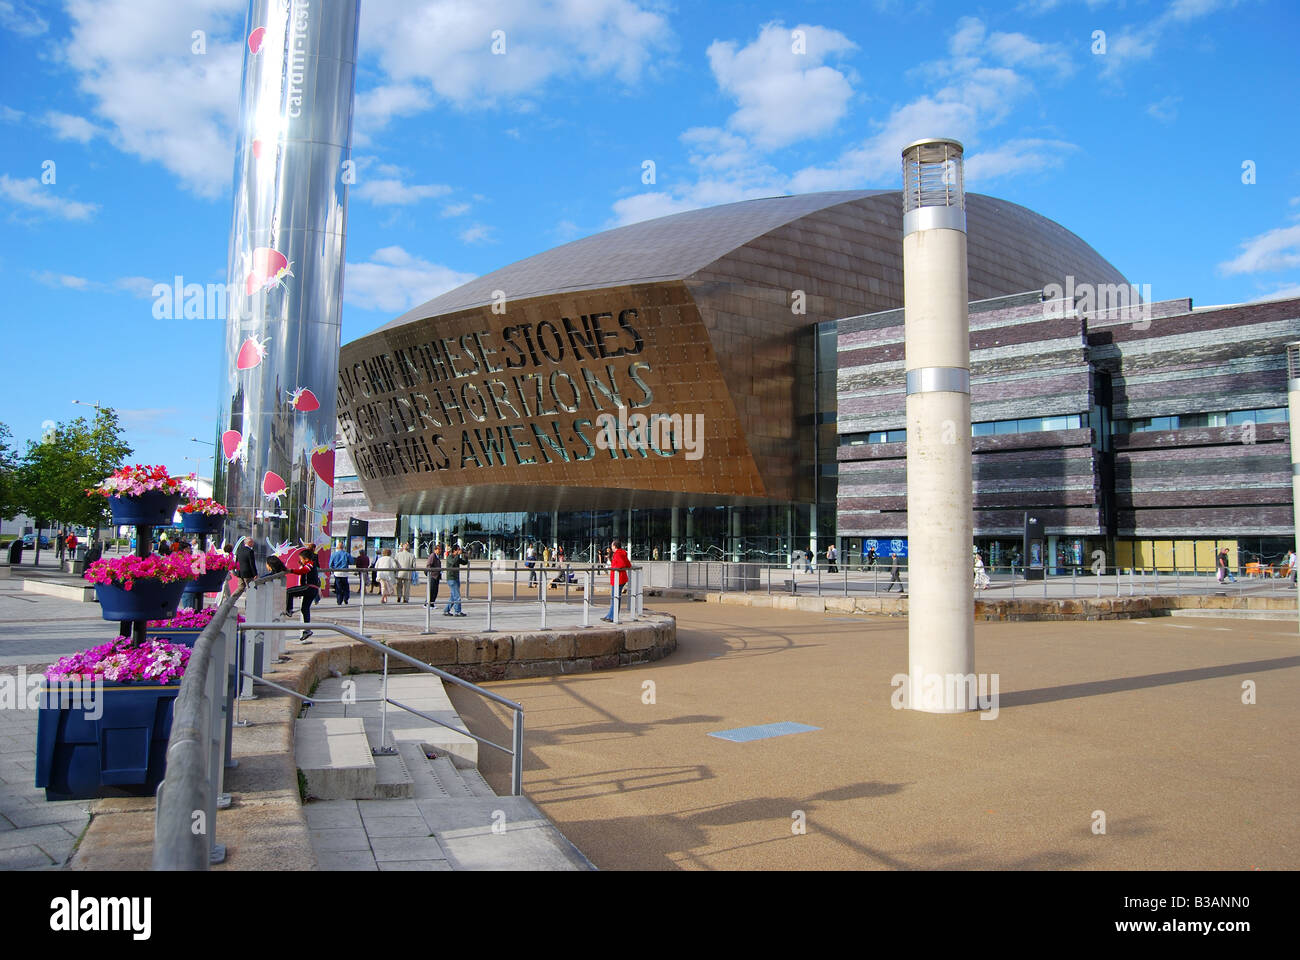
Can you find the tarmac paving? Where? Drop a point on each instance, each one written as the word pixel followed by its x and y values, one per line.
pixel 1116 745
pixel 1157 743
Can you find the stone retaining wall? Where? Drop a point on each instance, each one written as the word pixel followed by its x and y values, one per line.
pixel 1107 608
pixel 506 656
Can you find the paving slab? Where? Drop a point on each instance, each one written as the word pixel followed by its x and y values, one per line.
pixel 345 860
pixel 339 840
pixel 406 848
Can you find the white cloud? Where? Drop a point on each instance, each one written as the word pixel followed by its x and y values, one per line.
pixel 141 287
pixel 477 233
pixel 443 48
pixel 31 194
pixel 69 127
pixel 1136 43
pixel 66 281
pixel 375 107
pixel 567 230
pixel 976 95
pixel 394 280
pixel 783 96
pixel 1274 250
pixel 393 192
pixel 1165 110
pixel 1016 158
pixel 171 106
pixel 455 209
pixel 10 115
pixel 18 16
pixel 1284 292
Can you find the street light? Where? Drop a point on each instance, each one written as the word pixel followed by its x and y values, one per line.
pixel 85 404
pixel 197 440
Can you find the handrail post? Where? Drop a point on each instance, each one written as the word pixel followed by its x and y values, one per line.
pixel 383 712
pixel 517 756
pixel 428 607
pixel 541 593
pixel 361 618
pixel 614 595
pixel 586 600
pixel 488 628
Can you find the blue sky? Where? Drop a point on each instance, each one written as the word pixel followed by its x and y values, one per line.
pixel 1134 138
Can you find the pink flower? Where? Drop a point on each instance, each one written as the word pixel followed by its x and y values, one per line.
pixel 125 571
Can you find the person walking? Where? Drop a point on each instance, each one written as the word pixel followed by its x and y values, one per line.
pixel 386 571
pixel 433 576
pixel 530 561
pixel 307 569
pixel 340 560
pixel 405 564
pixel 60 542
pixel 981 578
pixel 362 563
pixel 831 557
pixel 894 574
pixel 70 545
pixel 452 565
pixel 618 566
pixel 1224 571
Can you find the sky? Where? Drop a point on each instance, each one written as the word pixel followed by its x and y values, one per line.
pixel 1164 133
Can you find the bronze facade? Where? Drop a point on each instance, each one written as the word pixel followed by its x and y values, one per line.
pixel 491 397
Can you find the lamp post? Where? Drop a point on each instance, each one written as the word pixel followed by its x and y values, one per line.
pixel 1293 402
pixel 97 407
pixel 941 626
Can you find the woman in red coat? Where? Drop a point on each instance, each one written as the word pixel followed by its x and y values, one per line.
pixel 618 566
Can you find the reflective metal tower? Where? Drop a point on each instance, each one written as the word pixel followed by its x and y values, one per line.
pixel 276 426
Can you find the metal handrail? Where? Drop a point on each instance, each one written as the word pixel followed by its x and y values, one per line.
pixel 516 749
pixel 189 788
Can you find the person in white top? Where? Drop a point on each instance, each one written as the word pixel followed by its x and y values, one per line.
pixel 405 560
pixel 981 578
pixel 386 568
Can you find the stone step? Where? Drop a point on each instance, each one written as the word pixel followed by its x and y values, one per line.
pixel 450 778
pixel 499 833
pixel 393 778
pixel 477 785
pixel 334 755
pixel 426 786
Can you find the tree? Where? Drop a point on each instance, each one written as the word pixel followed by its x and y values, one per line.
pixel 9 505
pixel 56 472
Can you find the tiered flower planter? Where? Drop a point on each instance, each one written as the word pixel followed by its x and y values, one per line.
pixel 101 737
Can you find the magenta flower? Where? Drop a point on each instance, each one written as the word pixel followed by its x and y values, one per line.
pixel 154 661
pixel 125 571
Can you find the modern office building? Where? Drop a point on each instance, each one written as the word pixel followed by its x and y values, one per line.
pixel 726 383
pixel 1155 435
pixel 487 411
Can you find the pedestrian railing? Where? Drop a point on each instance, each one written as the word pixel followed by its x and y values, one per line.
pixel 515 750
pixel 480 585
pixel 1008 580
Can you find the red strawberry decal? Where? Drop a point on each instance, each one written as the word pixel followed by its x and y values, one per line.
pixel 251 353
pixel 322 462
pixel 267 269
pixel 273 485
pixel 255 40
pixel 303 400
pixel 232 445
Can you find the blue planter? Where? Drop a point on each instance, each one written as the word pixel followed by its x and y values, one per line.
pixel 209 582
pixel 184 638
pixel 123 750
pixel 202 523
pixel 147 600
pixel 154 508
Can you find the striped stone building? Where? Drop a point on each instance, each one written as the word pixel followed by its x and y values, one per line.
pixel 1155 436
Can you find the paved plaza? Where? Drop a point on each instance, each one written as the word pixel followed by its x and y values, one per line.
pixel 1139 728
pixel 1141 722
